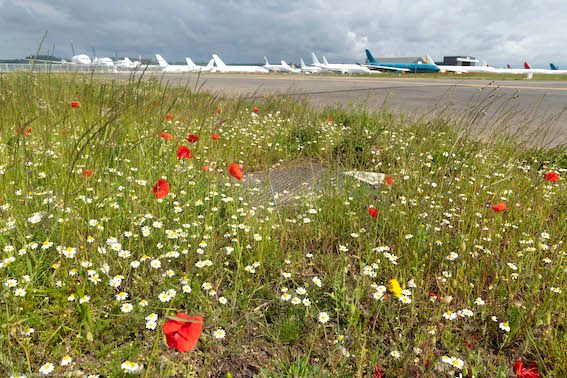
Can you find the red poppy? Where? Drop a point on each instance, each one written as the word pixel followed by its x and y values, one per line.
pixel 205 168
pixel 192 138
pixel 551 176
pixel 523 372
pixel 75 104
pixel 87 173
pixel 166 136
pixel 389 180
pixel 24 132
pixel 235 171
pixel 329 119
pixel 372 211
pixel 218 111
pixel 256 110
pixel 215 136
pixel 168 117
pixel 433 296
pixel 499 207
pixel 161 188
pixel 183 152
pixel 183 335
pixel 378 372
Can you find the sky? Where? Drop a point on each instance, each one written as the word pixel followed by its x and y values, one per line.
pixel 499 31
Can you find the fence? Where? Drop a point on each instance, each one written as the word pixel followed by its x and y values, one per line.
pixel 57 67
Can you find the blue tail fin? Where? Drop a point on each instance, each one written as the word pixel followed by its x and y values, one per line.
pixel 553 66
pixel 370 57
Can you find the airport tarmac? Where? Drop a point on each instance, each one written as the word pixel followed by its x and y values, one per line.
pixel 520 102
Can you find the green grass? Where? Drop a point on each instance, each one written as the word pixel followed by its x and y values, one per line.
pixel 439 203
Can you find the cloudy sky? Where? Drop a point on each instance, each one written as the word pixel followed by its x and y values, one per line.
pixel 500 31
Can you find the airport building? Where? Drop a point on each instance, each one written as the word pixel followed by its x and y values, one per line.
pixel 458 61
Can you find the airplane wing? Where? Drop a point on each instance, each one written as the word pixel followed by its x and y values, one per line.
pixel 385 68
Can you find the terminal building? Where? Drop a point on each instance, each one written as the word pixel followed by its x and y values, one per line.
pixel 458 61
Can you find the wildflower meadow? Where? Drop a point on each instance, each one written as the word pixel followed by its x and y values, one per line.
pixel 135 242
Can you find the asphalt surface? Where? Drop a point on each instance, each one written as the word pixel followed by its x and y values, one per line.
pixel 529 105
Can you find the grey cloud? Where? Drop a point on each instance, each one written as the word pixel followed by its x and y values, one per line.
pixel 500 31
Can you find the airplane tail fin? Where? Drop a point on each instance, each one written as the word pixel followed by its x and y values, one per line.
pixel 527 66
pixel 302 63
pixel 286 66
pixel 127 60
pixel 209 65
pixel 218 61
pixel 508 66
pixel 370 57
pixel 429 60
pixel 553 67
pixel 190 63
pixel 161 61
pixel 315 60
pixel 266 60
pixel 325 61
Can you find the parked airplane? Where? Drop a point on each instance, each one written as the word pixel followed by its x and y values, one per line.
pixel 309 69
pixel 290 68
pixel 341 68
pixel 195 68
pixel 274 67
pixel 400 67
pixel 461 69
pixel 83 59
pixel 127 63
pixel 221 67
pixel 168 68
pixel 105 61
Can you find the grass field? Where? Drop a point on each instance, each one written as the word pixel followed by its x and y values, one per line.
pixel 437 283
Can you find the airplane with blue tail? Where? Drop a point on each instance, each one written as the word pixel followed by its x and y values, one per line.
pixel 400 67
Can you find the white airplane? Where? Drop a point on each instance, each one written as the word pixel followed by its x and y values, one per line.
pixel 221 67
pixel 127 63
pixel 168 68
pixel 309 69
pixel 274 67
pixel 484 67
pixel 82 59
pixel 105 61
pixel 195 68
pixel 290 68
pixel 341 68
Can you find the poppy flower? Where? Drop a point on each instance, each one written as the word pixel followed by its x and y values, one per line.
pixel 218 111
pixel 87 173
pixel 523 372
pixel 166 136
pixel 75 104
pixel 235 171
pixel 389 180
pixel 329 119
pixel 551 176
pixel 183 335
pixel 183 152
pixel 215 136
pixel 192 138
pixel 433 296
pixel 378 372
pixel 24 132
pixel 161 188
pixel 256 109
pixel 372 211
pixel 168 117
pixel 499 207
pixel 205 168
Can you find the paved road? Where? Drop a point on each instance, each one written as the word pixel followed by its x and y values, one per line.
pixel 522 104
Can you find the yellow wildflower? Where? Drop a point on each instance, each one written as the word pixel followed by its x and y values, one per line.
pixel 394 287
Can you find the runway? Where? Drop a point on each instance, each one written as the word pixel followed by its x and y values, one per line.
pixel 523 103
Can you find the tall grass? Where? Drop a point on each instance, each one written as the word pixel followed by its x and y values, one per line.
pixel 435 233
